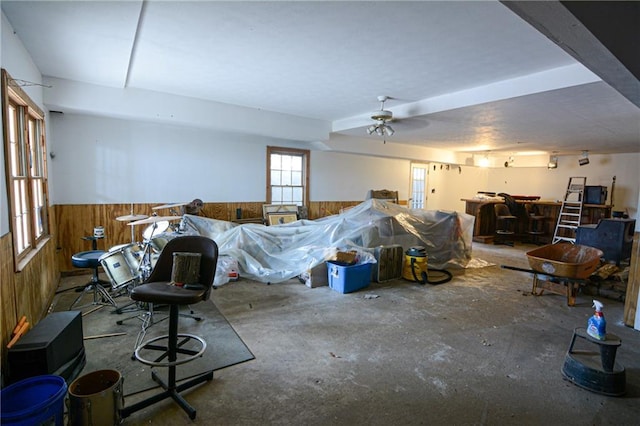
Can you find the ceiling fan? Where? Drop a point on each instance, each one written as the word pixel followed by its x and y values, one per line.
pixel 382 116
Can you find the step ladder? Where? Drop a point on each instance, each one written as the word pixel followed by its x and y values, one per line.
pixel 571 211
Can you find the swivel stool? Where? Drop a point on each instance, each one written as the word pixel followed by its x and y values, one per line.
pixel 174 348
pixel 91 259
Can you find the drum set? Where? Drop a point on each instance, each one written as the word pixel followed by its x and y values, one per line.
pixel 128 265
pixel 131 263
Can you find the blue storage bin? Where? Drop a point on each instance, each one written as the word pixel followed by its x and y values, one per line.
pixel 36 400
pixel 348 278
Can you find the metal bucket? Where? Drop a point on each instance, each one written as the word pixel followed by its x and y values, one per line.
pixel 96 399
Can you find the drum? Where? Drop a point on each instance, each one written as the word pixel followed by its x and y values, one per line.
pixel 96 399
pixel 132 251
pixel 160 240
pixel 154 229
pixel 121 265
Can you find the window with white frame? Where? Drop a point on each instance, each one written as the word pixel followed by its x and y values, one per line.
pixel 287 176
pixel 26 168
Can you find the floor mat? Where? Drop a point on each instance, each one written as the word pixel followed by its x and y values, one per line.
pixel 110 346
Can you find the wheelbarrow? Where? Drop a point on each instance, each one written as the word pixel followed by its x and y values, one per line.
pixel 561 268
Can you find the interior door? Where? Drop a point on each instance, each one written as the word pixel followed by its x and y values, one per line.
pixel 418 186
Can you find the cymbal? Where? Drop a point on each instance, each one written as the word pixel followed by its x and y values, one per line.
pixel 168 206
pixel 130 217
pixel 154 219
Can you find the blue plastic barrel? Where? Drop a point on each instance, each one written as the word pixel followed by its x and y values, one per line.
pixel 34 401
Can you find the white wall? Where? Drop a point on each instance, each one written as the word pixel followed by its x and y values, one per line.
pixel 552 184
pixel 336 176
pixel 106 160
pixel 448 184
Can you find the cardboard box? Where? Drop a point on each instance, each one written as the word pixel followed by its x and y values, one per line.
pixel 316 276
pixel 346 257
pixel 347 279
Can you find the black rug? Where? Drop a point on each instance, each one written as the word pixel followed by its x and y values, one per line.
pixel 107 348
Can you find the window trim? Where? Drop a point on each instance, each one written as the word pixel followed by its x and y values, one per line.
pixel 306 154
pixel 12 94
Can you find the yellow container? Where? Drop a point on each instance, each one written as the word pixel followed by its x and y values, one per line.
pixel 415 265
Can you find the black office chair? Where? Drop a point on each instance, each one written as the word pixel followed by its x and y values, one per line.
pixel 505 225
pixel 158 289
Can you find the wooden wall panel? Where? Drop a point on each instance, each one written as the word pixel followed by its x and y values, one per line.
pixel 29 292
pixel 318 209
pixel 8 315
pixel 633 285
pixel 36 284
pixel 74 221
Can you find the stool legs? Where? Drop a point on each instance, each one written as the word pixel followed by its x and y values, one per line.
pixel 505 233
pixel 536 229
pixel 171 388
pixel 100 294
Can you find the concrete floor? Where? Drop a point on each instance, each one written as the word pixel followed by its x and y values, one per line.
pixel 479 350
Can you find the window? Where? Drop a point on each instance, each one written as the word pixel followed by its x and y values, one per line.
pixel 26 168
pixel 418 186
pixel 287 176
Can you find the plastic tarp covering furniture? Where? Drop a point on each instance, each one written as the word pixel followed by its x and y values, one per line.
pixel 277 253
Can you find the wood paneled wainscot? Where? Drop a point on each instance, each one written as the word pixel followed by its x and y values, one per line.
pixel 75 221
pixel 485 223
pixel 28 292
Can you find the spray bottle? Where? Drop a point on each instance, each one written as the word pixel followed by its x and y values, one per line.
pixel 597 326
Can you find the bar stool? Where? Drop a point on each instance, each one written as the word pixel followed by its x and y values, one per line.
pixel 535 224
pixel 91 259
pixel 175 348
pixel 505 225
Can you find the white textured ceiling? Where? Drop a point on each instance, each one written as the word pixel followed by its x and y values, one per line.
pixel 465 76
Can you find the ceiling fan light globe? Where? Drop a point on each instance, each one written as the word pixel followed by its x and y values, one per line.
pixel 389 130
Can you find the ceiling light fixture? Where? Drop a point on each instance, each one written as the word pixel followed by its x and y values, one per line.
pixel 381 128
pixel 553 162
pixel 484 161
pixel 584 159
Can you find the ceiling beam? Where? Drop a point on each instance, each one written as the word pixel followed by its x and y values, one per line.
pixel 82 98
pixel 554 79
pixel 590 32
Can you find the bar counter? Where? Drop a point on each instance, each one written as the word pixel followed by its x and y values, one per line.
pixel 485 224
